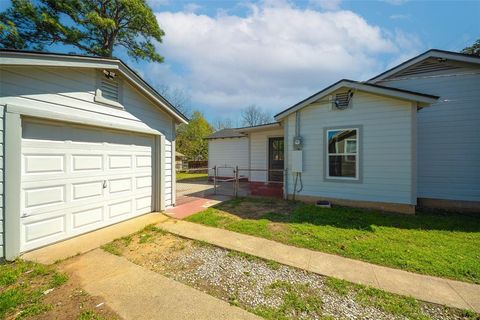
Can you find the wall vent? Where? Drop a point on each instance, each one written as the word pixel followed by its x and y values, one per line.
pixel 428 66
pixel 110 89
pixel 341 100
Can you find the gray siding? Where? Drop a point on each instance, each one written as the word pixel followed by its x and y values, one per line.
pixel 448 134
pixel 259 152
pixel 2 240
pixel 228 152
pixel 73 90
pixel 386 157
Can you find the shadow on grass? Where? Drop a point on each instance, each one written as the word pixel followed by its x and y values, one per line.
pixel 282 211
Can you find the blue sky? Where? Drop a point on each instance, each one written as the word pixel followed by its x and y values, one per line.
pixel 230 54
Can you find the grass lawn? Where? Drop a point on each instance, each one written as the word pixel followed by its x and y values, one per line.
pixel 440 245
pixel 183 176
pixel 34 291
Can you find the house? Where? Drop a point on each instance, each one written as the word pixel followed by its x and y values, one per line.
pixel 403 138
pixel 179 160
pixel 87 143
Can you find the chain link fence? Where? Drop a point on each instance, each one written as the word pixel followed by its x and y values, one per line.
pixel 228 181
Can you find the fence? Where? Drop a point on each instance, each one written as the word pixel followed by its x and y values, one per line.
pixel 229 181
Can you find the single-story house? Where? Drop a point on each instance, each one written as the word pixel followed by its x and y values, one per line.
pixel 404 138
pixel 86 143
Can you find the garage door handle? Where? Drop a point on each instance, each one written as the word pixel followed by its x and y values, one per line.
pixel 104 184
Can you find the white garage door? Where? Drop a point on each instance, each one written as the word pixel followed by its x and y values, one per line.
pixel 77 179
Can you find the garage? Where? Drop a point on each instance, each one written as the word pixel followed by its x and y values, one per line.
pixel 77 179
pixel 85 143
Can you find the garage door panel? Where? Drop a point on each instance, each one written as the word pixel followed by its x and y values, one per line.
pixel 143 204
pixel 44 230
pixel 43 196
pixel 84 162
pixel 119 162
pixel 121 208
pixel 43 163
pixel 97 180
pixel 120 185
pixel 143 161
pixel 87 217
pixel 91 189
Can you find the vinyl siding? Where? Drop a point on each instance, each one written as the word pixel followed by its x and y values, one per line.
pixel 386 145
pixel 73 90
pixel 2 253
pixel 448 134
pixel 259 152
pixel 229 152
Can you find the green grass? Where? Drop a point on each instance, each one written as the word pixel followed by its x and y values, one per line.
pixel 90 315
pixel 445 245
pixel 297 300
pixel 182 176
pixel 22 285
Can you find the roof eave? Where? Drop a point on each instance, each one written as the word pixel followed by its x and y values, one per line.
pixel 432 53
pixel 424 100
pixel 19 58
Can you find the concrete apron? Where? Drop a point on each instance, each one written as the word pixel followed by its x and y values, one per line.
pixel 427 288
pixel 89 241
pixel 134 292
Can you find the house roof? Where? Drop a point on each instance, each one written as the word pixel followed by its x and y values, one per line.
pixel 432 53
pixel 259 127
pixel 226 133
pixel 242 131
pixel 422 98
pixel 48 59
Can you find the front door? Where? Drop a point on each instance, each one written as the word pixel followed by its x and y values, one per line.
pixel 275 159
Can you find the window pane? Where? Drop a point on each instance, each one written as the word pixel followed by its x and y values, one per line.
pixel 342 141
pixel 342 166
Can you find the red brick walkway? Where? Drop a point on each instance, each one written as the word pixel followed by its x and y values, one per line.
pixel 196 205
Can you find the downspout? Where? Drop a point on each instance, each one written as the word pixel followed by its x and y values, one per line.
pixel 285 157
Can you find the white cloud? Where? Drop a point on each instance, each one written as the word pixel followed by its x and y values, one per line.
pixel 327 4
pixel 274 56
pixel 191 7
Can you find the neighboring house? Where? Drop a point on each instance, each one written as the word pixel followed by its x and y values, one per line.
pixel 405 137
pixel 179 160
pixel 87 143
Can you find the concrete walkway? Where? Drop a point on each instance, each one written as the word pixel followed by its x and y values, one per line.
pixel 92 240
pixel 138 293
pixel 432 289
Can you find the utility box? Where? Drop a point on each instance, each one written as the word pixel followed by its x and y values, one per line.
pixel 297 161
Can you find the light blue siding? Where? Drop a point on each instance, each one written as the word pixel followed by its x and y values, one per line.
pixel 448 134
pixel 386 152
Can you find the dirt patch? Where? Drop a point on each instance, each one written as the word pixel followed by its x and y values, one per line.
pixel 256 208
pixel 70 302
pixel 30 290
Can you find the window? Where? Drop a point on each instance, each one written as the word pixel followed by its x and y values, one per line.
pixel 342 153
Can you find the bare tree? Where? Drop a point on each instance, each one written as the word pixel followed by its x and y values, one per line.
pixel 254 116
pixel 223 123
pixel 179 98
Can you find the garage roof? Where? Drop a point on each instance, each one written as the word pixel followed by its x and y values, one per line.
pixel 48 59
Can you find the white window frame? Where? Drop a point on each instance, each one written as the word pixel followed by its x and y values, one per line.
pixel 344 153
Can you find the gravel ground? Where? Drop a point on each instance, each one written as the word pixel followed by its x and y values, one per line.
pixel 253 284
